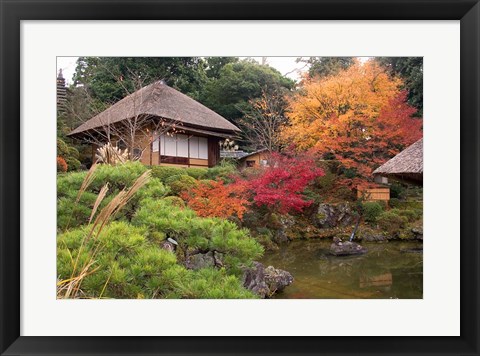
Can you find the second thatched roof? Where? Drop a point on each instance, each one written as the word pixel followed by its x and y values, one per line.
pixel 409 162
pixel 160 100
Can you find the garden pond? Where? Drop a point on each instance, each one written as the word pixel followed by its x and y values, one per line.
pixel 387 270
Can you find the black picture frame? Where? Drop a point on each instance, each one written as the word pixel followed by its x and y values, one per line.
pixel 13 12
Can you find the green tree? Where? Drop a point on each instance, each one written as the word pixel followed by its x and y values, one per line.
pixel 215 64
pixel 107 78
pixel 326 66
pixel 410 69
pixel 238 83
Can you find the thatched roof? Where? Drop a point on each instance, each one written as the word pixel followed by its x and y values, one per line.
pixel 408 163
pixel 159 100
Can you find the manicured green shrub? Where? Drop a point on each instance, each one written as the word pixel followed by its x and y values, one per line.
pixel 192 232
pixel 129 265
pixel 222 172
pixel 128 261
pixel 164 172
pixel 197 173
pixel 371 211
pixel 207 283
pixel 175 201
pixel 178 184
pixel 410 214
pixel 71 214
pixel 391 222
pixel 153 190
pixel 69 153
pixel 118 177
pixel 174 178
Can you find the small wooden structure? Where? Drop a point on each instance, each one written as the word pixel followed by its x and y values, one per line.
pixel 407 166
pixel 374 193
pixel 254 159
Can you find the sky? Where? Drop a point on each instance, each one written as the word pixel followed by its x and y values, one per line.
pixel 285 65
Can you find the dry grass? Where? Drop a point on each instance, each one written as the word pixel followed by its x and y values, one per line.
pixel 86 181
pixel 98 201
pixel 109 154
pixel 85 184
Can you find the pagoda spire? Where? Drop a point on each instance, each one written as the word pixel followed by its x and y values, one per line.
pixel 61 90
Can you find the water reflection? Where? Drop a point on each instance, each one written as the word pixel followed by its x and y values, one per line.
pixel 379 280
pixel 389 270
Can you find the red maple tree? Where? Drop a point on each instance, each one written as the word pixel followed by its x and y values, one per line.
pixel 280 186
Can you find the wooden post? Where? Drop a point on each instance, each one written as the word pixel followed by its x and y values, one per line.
pixel 188 143
pixel 151 148
pixel 159 150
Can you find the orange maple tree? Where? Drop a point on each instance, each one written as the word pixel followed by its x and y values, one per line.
pixel 359 117
pixel 215 199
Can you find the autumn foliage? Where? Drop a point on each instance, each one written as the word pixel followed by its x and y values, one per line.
pixel 215 199
pixel 280 186
pixel 61 164
pixel 359 117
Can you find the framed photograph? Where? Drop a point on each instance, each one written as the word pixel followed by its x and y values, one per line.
pixel 239 177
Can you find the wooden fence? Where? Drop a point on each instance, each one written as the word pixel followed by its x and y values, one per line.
pixel 374 194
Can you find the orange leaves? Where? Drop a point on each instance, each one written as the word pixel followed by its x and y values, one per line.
pixel 214 199
pixel 359 116
pixel 61 164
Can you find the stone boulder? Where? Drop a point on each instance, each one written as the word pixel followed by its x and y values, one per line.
pixel 265 281
pixel 277 279
pixel 204 260
pixel 334 215
pixel 280 226
pixel 347 248
pixel 418 233
pixel 369 235
pixel 166 245
pixel 254 280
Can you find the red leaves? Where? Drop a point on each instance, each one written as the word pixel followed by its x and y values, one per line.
pixel 280 185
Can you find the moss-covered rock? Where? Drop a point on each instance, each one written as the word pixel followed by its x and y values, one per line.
pixel 333 215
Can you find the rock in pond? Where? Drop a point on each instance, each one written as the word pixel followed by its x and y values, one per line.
pixel 418 233
pixel 347 248
pixel 277 279
pixel 265 281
